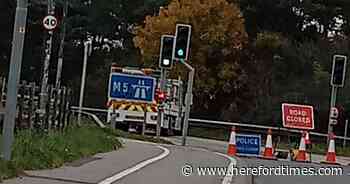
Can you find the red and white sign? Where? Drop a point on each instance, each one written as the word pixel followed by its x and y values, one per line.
pixel 298 116
pixel 50 22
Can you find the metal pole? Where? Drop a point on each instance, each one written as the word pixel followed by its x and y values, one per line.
pixel 345 132
pixel 14 77
pixel 60 52
pixel 2 100
pixel 3 85
pixel 144 119
pixel 332 104
pixel 161 106
pixel 45 77
pixel 180 90
pixel 83 78
pixel 188 101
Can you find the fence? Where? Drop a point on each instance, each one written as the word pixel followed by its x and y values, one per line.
pixel 221 129
pixel 57 107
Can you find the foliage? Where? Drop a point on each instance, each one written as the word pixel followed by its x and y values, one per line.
pixel 282 53
pixel 32 151
pixel 217 38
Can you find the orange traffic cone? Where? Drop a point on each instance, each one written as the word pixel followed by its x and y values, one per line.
pixel 331 156
pixel 232 143
pixel 268 152
pixel 307 138
pixel 301 156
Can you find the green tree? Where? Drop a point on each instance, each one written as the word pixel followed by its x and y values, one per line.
pixel 217 38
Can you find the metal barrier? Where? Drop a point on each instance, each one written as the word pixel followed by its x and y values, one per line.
pixel 93 116
pixel 260 126
pixel 212 122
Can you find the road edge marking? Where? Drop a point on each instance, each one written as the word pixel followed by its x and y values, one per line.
pixel 137 167
pixel 233 163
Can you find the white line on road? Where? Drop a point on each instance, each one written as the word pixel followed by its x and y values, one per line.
pixel 228 178
pixel 137 167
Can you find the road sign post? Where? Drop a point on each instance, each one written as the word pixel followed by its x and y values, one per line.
pixel 160 116
pixel 48 47
pixel 14 77
pixel 345 132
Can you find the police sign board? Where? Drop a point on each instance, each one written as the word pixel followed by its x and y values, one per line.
pixel 132 88
pixel 298 116
pixel 248 145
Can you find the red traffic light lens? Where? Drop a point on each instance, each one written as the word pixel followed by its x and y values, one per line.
pixel 161 96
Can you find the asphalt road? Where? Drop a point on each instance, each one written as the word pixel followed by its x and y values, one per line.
pixel 344 179
pixel 140 162
pixel 169 170
pixel 137 162
pixel 220 146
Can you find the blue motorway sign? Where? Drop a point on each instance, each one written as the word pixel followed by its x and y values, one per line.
pixel 131 88
pixel 248 145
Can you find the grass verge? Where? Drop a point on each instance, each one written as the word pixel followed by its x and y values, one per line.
pixel 33 152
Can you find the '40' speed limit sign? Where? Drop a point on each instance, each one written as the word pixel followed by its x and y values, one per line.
pixel 50 22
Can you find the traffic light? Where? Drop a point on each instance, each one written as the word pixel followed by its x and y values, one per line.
pixel 338 71
pixel 182 42
pixel 166 51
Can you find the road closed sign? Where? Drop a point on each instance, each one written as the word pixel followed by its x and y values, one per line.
pixel 298 116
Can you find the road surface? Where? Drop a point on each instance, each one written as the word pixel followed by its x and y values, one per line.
pixel 137 162
pixel 140 162
pixel 220 146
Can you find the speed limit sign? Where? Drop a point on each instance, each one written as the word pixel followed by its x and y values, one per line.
pixel 50 22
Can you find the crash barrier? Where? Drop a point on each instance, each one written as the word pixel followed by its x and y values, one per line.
pixel 199 122
pixel 30 115
pixel 96 120
pixel 261 129
pixel 203 122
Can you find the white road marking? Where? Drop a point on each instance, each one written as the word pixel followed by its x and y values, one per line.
pixel 137 167
pixel 228 178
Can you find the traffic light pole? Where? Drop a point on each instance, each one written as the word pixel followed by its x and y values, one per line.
pixel 14 77
pixel 345 132
pixel 332 104
pixel 188 101
pixel 161 105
